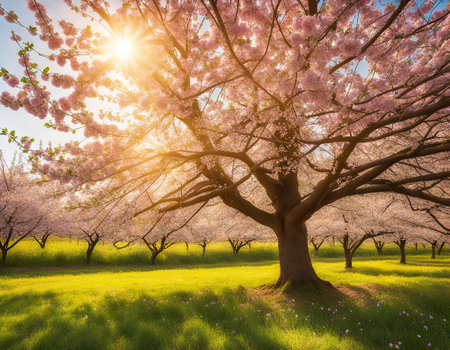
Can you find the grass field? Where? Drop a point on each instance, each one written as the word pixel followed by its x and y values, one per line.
pixel 62 252
pixel 220 304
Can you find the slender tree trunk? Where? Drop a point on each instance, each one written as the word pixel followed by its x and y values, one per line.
pixel 295 263
pixel 440 248
pixel 153 258
pixel 379 250
pixel 402 251
pixel 316 250
pixel 334 241
pixel 348 260
pixel 250 246
pixel 88 255
pixel 187 246
pixel 416 246
pixel 433 250
pixel 4 252
pixel 91 246
pixel 203 250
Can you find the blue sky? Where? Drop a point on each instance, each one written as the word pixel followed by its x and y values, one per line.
pixel 24 124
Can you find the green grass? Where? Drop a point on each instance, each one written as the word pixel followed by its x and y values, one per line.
pixel 64 252
pixel 222 306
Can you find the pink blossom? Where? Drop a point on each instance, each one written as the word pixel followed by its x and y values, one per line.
pixel 13 81
pixel 55 42
pixel 310 81
pixel 61 60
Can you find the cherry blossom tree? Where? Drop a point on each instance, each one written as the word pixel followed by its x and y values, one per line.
pixel 354 221
pixel 94 220
pixel 160 231
pixel 278 108
pixel 26 206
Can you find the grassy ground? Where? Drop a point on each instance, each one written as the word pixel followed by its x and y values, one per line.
pixel 222 306
pixel 62 252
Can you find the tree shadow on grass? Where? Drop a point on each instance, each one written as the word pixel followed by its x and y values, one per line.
pixel 357 317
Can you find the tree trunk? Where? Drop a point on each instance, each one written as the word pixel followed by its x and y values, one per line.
pixel 203 250
pixel 316 250
pixel 295 263
pixel 402 251
pixel 88 255
pixel 416 246
pixel 91 246
pixel 187 246
pixel 348 260
pixel 379 250
pixel 153 258
pixel 4 252
pixel 440 248
pixel 250 246
pixel 433 250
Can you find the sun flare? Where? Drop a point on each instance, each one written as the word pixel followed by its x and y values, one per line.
pixel 123 48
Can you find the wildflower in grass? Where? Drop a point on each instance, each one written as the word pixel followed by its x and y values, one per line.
pixel 391 345
pixel 347 331
pixel 429 345
pixel 397 347
pixel 431 317
pixel 426 328
pixel 419 336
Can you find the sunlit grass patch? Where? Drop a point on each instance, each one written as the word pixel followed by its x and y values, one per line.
pixel 72 252
pixel 224 307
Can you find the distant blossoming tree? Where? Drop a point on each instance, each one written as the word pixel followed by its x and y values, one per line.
pixel 26 207
pixel 278 108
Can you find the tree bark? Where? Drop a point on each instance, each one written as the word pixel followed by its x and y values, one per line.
pixel 4 252
pixel 295 263
pixel 153 258
pixel 187 246
pixel 88 255
pixel 91 246
pixel 433 250
pixel 440 248
pixel 316 251
pixel 402 251
pixel 348 260
pixel 203 250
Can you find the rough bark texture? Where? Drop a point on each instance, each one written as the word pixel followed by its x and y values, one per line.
pixel 4 252
pixel 295 263
pixel 433 250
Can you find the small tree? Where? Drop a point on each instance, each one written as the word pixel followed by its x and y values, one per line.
pixel 25 205
pixel 164 228
pixel 379 244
